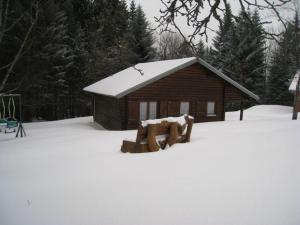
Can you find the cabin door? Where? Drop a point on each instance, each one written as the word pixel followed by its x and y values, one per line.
pixel 200 114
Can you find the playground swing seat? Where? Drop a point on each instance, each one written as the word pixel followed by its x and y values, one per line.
pixel 9 124
pixel 3 124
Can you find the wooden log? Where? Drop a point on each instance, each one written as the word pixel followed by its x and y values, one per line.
pixel 173 133
pixel 151 138
pixel 163 144
pixel 181 128
pixel 128 146
pixel 190 122
pixel 141 148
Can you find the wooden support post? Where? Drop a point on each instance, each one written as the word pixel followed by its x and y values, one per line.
pixel 242 110
pixel 173 133
pixel 223 102
pixel 190 122
pixel 296 101
pixel 21 130
pixel 94 107
pixel 151 138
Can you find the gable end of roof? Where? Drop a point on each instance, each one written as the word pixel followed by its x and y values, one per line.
pixel 228 79
pixel 162 75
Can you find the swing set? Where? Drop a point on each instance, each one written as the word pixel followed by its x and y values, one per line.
pixel 8 121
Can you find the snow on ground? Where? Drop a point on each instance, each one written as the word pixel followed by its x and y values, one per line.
pixel 72 172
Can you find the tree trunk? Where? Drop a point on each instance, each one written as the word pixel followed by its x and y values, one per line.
pixel 296 99
pixel 19 53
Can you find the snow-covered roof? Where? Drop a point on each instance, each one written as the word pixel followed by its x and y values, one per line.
pixel 142 74
pixel 294 82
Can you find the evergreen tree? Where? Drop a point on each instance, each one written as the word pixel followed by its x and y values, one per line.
pixel 142 36
pixel 200 49
pixel 221 55
pixel 185 50
pixel 60 58
pixel 248 55
pixel 203 52
pixel 72 44
pixel 284 64
pixel 239 50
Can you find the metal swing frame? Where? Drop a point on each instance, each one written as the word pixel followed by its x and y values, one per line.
pixel 21 130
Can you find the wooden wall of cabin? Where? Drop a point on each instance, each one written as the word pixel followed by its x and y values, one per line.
pixel 194 84
pixel 232 93
pixel 107 112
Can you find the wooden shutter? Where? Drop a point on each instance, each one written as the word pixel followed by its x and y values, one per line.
pixel 133 113
pixel 173 108
pixel 201 111
pixel 163 109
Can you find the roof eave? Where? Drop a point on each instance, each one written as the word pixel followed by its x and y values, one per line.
pixel 93 92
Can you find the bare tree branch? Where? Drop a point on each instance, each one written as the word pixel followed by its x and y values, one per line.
pixel 19 53
pixel 193 11
pixel 139 70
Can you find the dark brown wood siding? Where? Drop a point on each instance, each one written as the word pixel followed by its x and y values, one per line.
pixel 108 113
pixel 194 84
pixel 232 93
pixel 298 104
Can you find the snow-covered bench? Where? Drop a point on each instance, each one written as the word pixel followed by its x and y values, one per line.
pixel 153 135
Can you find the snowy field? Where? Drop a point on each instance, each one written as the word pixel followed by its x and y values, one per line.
pixel 72 172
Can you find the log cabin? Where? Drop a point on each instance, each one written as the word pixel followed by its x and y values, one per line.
pixel 293 87
pixel 165 89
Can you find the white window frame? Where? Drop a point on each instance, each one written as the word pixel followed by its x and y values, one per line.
pixel 148 110
pixel 184 108
pixel 143 111
pixel 211 108
pixel 152 110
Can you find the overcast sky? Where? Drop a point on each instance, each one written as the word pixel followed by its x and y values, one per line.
pixel 152 7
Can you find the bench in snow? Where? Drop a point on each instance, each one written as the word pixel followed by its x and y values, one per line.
pixel 153 135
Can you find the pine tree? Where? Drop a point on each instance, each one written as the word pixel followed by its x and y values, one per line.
pixel 284 64
pixel 132 14
pixel 248 55
pixel 258 58
pixel 60 56
pixel 203 52
pixel 142 36
pixel 73 43
pixel 221 55
pixel 200 49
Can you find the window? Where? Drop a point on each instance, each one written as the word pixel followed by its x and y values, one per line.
pixel 184 108
pixel 152 110
pixel 148 110
pixel 143 110
pixel 211 109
